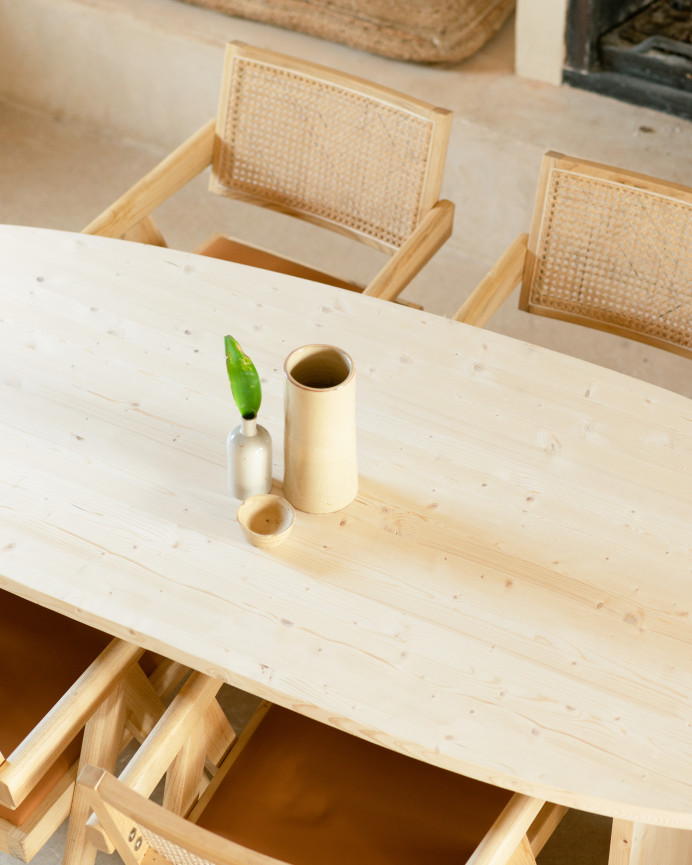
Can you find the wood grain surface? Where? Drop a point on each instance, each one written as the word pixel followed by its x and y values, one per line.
pixel 509 595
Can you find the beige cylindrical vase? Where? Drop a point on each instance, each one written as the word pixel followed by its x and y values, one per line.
pixel 320 459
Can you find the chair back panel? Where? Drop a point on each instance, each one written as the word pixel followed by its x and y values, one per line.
pixel 612 249
pixel 171 852
pixel 144 832
pixel 327 147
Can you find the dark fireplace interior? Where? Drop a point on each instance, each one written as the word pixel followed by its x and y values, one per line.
pixel 639 51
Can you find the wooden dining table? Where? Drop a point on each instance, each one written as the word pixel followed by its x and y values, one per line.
pixel 509 596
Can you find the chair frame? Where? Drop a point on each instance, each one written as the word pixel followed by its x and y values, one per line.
pixel 113 701
pixel 515 838
pixel 520 262
pixel 130 216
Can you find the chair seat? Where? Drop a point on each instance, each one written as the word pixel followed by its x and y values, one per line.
pixel 309 794
pixel 228 249
pixel 33 677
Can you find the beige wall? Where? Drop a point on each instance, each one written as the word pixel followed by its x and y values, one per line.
pixel 540 39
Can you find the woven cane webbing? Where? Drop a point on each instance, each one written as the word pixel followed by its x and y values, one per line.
pixel 315 148
pixel 175 854
pixel 616 257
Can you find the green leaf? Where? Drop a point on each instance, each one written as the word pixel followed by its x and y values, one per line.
pixel 244 379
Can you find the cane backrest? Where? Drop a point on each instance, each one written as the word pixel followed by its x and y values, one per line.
pixel 611 249
pixel 144 832
pixel 327 146
pixel 317 144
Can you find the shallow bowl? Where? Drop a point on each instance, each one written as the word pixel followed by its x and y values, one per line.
pixel 266 520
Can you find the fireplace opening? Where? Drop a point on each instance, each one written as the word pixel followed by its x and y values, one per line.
pixel 639 51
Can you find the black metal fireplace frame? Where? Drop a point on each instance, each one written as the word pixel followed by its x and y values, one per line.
pixel 587 20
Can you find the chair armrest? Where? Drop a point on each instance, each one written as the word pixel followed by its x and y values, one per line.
pixel 507 832
pixel 432 231
pixel 27 763
pixel 171 174
pixel 496 287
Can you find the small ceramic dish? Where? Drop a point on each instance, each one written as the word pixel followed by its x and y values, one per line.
pixel 266 520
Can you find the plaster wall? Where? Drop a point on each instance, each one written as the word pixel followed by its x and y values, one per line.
pixel 540 39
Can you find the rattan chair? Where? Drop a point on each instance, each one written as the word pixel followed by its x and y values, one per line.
pixel 67 692
pixel 297 791
pixel 317 144
pixel 608 248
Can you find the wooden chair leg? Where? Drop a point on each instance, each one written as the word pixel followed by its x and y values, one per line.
pixel 100 747
pixel 505 843
pixel 145 231
pixel 144 706
pixel 167 676
pixel 523 855
pixel 25 841
pixel 184 778
pixel 544 825
pixel 219 734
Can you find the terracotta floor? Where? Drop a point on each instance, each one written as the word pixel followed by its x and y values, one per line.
pixel 64 157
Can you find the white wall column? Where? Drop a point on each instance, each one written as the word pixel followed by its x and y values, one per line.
pixel 540 39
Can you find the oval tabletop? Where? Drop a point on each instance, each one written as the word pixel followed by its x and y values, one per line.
pixel 508 596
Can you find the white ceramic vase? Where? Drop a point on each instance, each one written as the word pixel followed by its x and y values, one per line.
pixel 249 458
pixel 320 459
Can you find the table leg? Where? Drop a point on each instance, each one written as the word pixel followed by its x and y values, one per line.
pixel 642 844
